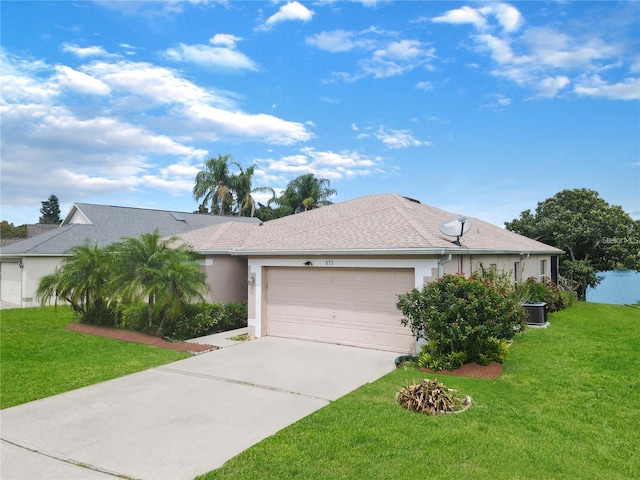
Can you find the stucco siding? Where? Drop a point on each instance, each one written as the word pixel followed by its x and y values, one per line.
pixel 34 269
pixel 226 278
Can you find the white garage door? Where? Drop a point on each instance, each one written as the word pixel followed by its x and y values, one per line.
pixel 349 306
pixel 11 280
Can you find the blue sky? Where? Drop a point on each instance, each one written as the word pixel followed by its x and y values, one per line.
pixel 478 108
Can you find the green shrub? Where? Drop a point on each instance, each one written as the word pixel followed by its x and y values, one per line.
pixel 431 357
pixel 133 317
pixel 556 297
pixel 458 314
pixel 198 320
pixel 235 316
pixel 202 319
pixel 98 313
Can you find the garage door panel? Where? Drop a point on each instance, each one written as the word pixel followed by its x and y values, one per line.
pixel 346 306
pixel 11 289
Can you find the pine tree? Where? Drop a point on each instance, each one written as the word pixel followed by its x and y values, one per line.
pixel 50 211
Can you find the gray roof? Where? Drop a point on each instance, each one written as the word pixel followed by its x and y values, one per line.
pixel 373 224
pixel 104 224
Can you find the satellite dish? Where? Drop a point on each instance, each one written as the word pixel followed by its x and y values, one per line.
pixel 455 227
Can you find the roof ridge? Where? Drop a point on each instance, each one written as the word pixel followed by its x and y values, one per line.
pixel 415 225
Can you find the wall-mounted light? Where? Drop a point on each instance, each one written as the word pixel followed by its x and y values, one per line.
pixel 251 279
pixel 20 264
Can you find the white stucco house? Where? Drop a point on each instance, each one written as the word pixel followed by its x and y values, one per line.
pixel 333 274
pixel 24 263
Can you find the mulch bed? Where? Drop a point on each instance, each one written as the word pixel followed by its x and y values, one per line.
pixel 493 370
pixel 137 337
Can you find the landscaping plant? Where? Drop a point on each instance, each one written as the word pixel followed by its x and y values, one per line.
pixel 556 297
pixel 431 398
pixel 463 318
pixel 98 282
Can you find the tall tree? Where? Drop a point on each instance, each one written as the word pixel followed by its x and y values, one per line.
pixel 241 185
pixel 212 185
pixel 50 211
pixel 9 230
pixel 595 235
pixel 304 192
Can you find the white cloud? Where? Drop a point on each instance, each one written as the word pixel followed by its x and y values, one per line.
pixel 424 86
pixel 555 49
pixel 629 89
pixel 463 15
pixel 550 86
pixel 288 12
pixel 499 102
pixel 543 58
pixel 148 129
pixel 85 52
pixel 223 58
pixel 325 164
pixel 225 39
pixel 334 41
pixel 205 121
pixel 396 139
pixel 386 56
pixel 80 82
pixel 500 49
pixel 508 16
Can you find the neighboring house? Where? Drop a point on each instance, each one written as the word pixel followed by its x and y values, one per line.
pixel 33 229
pixel 333 274
pixel 24 263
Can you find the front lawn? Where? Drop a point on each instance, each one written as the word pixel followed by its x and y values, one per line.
pixel 40 357
pixel 566 406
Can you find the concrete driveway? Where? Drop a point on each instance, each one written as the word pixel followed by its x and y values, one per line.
pixel 183 419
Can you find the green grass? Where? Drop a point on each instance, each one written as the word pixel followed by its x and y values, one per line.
pixel 566 406
pixel 39 357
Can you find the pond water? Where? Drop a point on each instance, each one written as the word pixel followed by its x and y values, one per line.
pixel 617 287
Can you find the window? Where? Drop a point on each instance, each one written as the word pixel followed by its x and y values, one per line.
pixel 543 269
pixel 516 272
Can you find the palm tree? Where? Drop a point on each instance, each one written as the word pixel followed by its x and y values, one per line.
pixel 305 192
pixel 151 269
pixel 179 282
pixel 212 184
pixel 241 186
pixel 83 281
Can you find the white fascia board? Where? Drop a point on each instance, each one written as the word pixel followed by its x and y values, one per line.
pixel 391 251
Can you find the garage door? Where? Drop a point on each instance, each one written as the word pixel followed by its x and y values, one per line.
pixel 339 305
pixel 11 283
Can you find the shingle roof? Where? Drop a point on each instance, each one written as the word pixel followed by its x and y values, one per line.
pixel 110 224
pixel 387 223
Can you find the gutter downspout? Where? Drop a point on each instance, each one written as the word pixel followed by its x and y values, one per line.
pixel 523 256
pixel 441 262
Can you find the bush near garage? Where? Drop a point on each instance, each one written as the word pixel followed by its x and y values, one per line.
pixel 466 319
pixel 197 320
pixel 202 319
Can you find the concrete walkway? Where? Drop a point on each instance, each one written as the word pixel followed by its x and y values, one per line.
pixel 183 419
